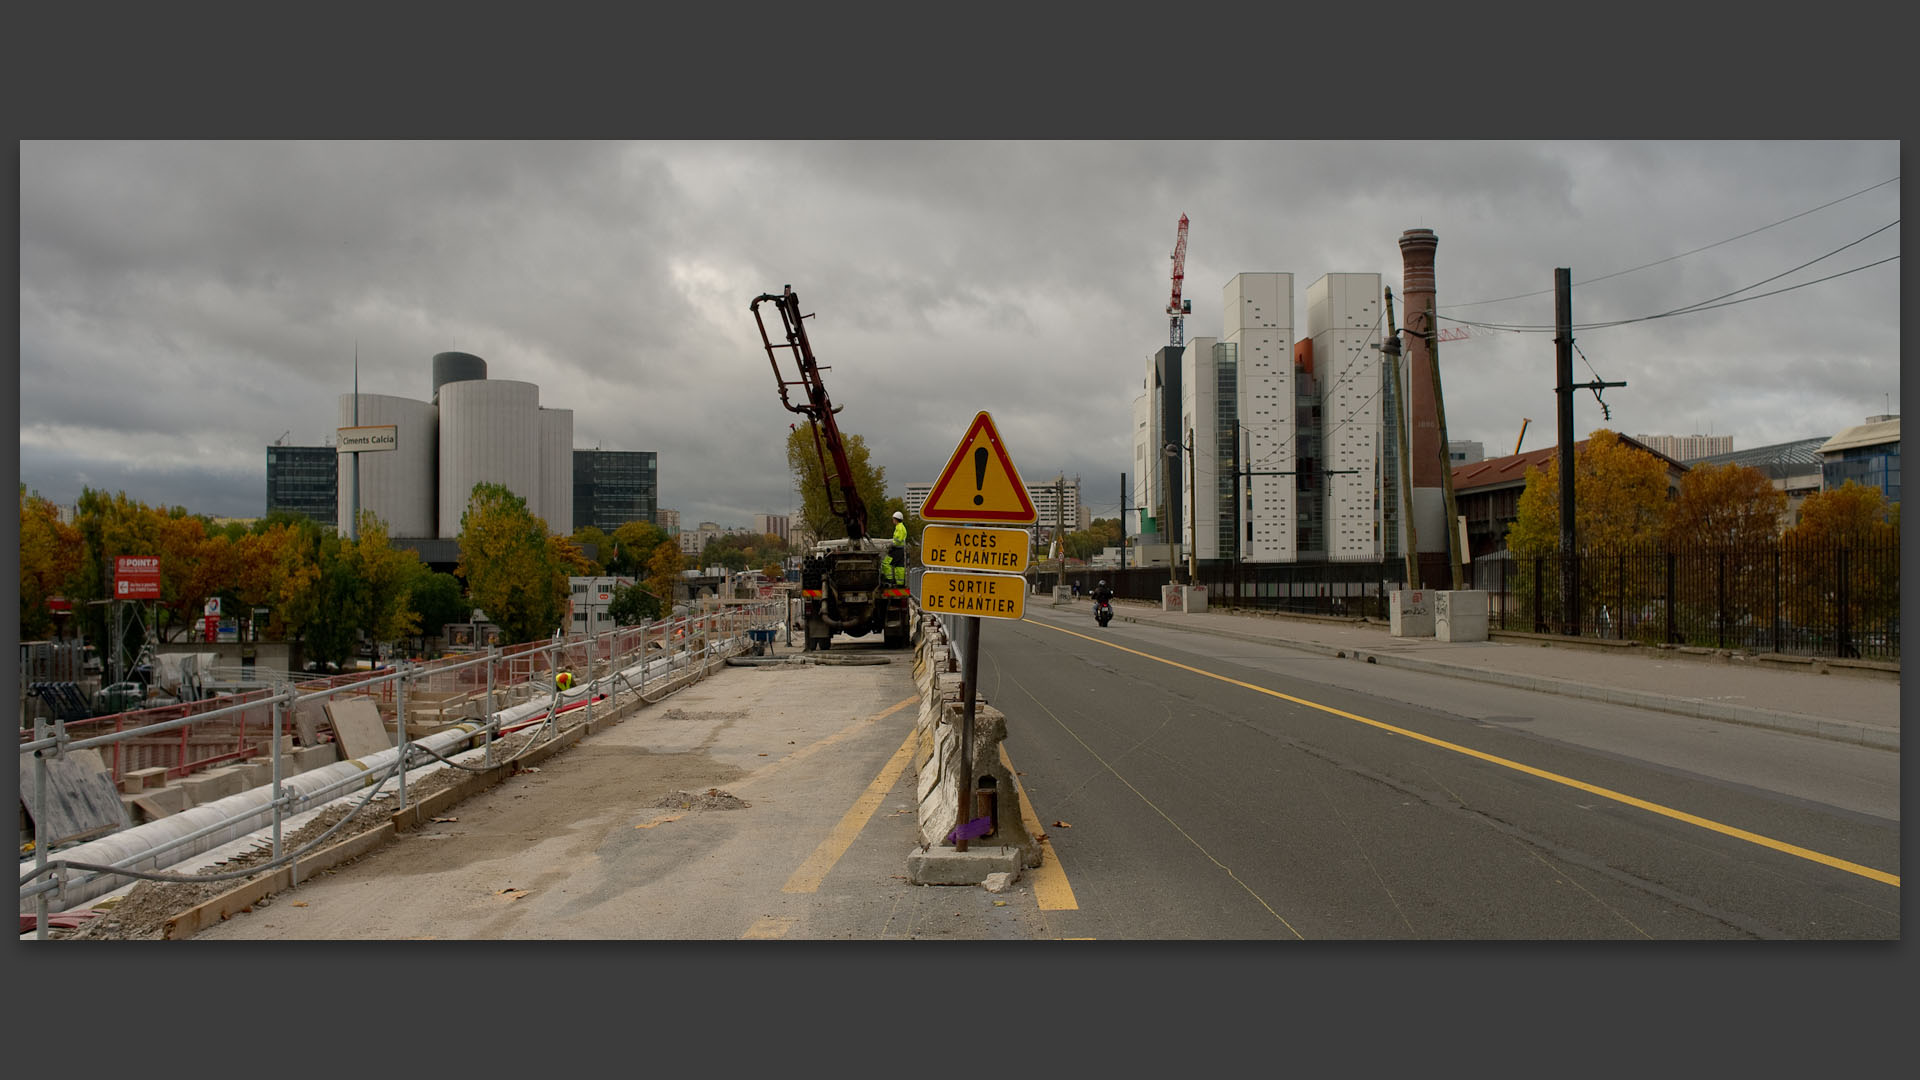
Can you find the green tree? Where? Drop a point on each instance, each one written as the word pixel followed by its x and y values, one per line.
pixel 820 491
pixel 512 569
pixel 338 606
pixel 438 599
pixel 633 605
pixel 592 536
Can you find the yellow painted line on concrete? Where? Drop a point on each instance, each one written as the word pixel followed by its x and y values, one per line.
pixel 1591 789
pixel 1050 886
pixel 812 872
pixel 767 929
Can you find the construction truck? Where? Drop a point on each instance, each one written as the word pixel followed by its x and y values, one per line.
pixel 844 586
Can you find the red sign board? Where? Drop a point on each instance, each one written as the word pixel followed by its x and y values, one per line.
pixel 136 577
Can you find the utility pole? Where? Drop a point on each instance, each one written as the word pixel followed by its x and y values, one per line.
pixel 1401 436
pixel 1123 521
pixel 1563 366
pixel 1446 462
pixel 1564 387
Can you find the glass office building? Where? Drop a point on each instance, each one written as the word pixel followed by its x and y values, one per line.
pixel 613 487
pixel 304 480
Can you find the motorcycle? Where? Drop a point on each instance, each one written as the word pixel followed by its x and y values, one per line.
pixel 1102 611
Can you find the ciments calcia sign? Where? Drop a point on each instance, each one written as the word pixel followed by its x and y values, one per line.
pixel 352 439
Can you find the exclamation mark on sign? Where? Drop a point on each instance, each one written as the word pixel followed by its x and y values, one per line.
pixel 979 474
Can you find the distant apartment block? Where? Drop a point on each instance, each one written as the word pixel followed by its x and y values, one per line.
pixel 1688 447
pixel 779 525
pixel 1464 452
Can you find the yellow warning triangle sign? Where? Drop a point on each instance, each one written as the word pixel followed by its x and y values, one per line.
pixel 980 482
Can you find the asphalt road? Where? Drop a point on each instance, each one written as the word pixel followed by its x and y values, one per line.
pixel 1190 788
pixel 1246 792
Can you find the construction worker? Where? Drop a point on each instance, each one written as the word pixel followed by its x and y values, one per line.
pixel 894 564
pixel 563 682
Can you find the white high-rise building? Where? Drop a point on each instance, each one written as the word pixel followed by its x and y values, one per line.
pixel 1344 318
pixel 1257 318
pixel 1209 411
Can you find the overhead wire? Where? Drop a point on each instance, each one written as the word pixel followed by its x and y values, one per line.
pixel 1708 304
pixel 1682 255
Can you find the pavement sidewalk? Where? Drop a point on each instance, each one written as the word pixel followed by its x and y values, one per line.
pixel 1854 703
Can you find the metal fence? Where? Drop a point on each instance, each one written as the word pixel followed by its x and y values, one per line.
pixel 1353 590
pixel 1797 599
pixel 416 700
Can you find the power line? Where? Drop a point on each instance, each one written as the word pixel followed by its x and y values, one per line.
pixel 1704 305
pixel 1682 255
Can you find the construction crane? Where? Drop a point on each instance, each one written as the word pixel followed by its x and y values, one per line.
pixel 1176 307
pixel 1523 434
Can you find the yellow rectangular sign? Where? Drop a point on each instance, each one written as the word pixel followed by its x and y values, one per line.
pixel 989 596
pixel 965 548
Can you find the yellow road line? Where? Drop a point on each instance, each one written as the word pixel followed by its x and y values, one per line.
pixel 1050 886
pixel 768 929
pixel 812 872
pixel 1605 793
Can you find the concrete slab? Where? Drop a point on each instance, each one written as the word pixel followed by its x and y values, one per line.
pixel 945 866
pixel 82 800
pixel 358 727
pixel 156 803
pixel 138 780
pixel 204 787
pixel 308 758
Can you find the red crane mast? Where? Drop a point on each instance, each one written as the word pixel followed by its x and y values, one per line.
pixel 1177 307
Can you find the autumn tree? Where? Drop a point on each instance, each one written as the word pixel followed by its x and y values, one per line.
pixel 1847 543
pixel 50 558
pixel 1723 506
pixel 1099 535
pixel 512 569
pixel 663 571
pixel 1619 500
pixel 820 492
pixel 276 567
pixel 1619 506
pixel 389 574
pixel 633 545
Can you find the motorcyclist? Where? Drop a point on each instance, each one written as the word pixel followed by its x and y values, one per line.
pixel 1101 594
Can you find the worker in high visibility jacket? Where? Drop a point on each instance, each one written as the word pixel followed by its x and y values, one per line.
pixel 893 565
pixel 563 682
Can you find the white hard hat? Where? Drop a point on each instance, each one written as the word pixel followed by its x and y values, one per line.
pixel 898 516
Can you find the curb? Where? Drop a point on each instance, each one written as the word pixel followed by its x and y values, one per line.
pixel 1846 731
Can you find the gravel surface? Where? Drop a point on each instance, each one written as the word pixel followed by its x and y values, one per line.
pixel 142 912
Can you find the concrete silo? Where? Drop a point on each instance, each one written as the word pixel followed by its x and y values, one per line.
pixel 490 432
pixel 556 470
pixel 398 484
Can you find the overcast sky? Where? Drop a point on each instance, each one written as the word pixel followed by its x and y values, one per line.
pixel 185 304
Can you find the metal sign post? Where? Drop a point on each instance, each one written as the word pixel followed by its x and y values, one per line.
pixel 979 485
